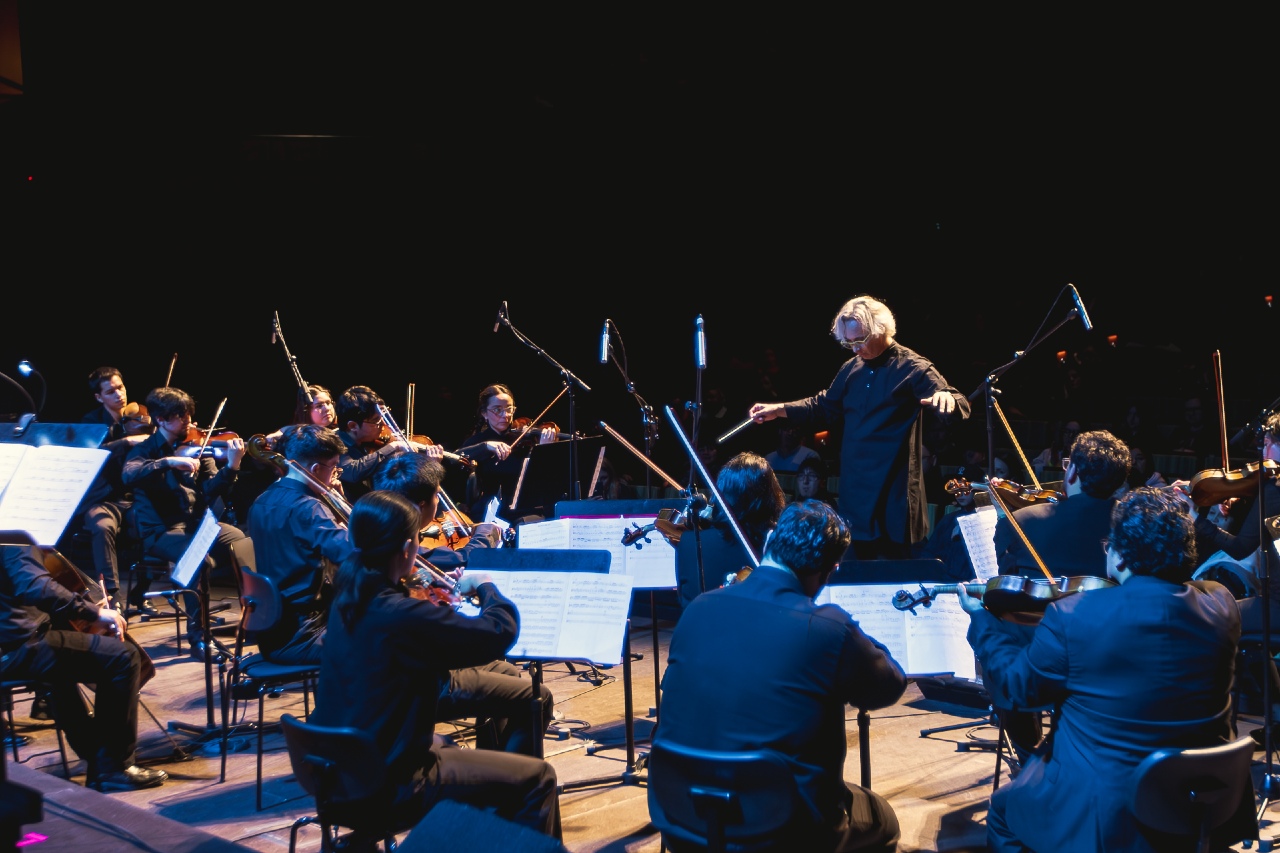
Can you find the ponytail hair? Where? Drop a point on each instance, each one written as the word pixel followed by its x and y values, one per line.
pixel 379 525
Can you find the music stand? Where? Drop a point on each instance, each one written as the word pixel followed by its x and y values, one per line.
pixel 546 476
pixel 541 560
pixel 63 435
pixel 190 569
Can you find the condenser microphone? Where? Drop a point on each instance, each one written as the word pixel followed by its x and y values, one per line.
pixel 1084 315
pixel 497 321
pixel 700 345
pixel 604 343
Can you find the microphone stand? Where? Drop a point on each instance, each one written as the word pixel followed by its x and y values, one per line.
pixel 1268 788
pixel 570 380
pixel 988 386
pixel 650 425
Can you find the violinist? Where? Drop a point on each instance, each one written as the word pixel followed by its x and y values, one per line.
pixel 387 659
pixel 492 692
pixel 298 542
pixel 108 506
pixel 751 492
pixel 1102 659
pixel 172 491
pixel 1064 530
pixel 490 446
pixel 314 406
pixel 368 442
pixel 1241 539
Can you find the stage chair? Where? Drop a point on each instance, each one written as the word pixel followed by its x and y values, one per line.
pixel 342 768
pixel 720 800
pixel 253 675
pixel 1192 792
pixel 24 685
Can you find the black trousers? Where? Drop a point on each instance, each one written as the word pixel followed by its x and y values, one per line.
pixel 107 738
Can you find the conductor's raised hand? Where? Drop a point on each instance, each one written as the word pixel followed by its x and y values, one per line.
pixel 943 401
pixel 761 412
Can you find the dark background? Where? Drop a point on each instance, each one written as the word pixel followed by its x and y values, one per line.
pixel 174 178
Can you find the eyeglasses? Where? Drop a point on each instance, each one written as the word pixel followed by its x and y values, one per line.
pixel 378 422
pixel 1106 544
pixel 1066 462
pixel 855 342
pixel 501 410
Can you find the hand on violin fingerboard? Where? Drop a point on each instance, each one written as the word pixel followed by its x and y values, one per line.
pixel 489 531
pixel 548 435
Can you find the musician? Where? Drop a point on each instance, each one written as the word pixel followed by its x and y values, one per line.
pixel 1241 540
pixel 1095 658
pixel 387 657
pixel 751 492
pixel 489 445
pixel 172 493
pixel 361 429
pixel 299 541
pixel 493 692
pixel 37 641
pixel 1063 532
pixel 878 397
pixel 107 508
pixel 314 406
pixel 758 665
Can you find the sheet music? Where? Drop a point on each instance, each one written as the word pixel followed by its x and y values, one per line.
pixel 568 615
pixel 653 566
pixel 929 642
pixel 43 487
pixel 184 572
pixel 979 532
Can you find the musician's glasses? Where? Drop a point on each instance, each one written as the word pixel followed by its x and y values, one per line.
pixel 501 410
pixel 1106 545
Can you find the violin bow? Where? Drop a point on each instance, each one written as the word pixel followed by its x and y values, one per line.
pixel 1018 447
pixel 525 431
pixel 208 435
pixel 1222 408
pixel 710 483
pixel 173 361
pixel 995 493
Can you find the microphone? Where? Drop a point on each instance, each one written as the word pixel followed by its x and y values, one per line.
pixel 1084 315
pixel 700 345
pixel 604 343
pixel 501 312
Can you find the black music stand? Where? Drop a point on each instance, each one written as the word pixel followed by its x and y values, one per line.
pixel 63 435
pixel 547 475
pixel 541 560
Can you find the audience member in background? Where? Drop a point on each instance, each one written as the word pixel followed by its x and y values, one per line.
pixel 791 449
pixel 1143 472
pixel 1048 464
pixel 1135 429
pixel 1197 435
pixel 609 485
pixel 811 482
pixel 751 492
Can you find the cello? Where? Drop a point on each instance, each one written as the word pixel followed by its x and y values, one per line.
pixel 69 576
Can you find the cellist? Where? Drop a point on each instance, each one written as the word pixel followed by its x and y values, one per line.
pixel 37 642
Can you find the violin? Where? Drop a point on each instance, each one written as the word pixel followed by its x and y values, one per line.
pixel 215 445
pixel 525 426
pixel 391 432
pixel 136 420
pixel 1215 485
pixel 1013 495
pixel 1007 594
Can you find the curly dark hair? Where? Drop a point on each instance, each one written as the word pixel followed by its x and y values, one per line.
pixel 810 537
pixel 1102 462
pixel 751 491
pixel 1153 534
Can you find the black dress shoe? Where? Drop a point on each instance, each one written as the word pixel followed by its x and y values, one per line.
pixel 197 648
pixel 40 707
pixel 145 610
pixel 129 779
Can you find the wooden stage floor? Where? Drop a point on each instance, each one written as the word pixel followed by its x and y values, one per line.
pixel 928 757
